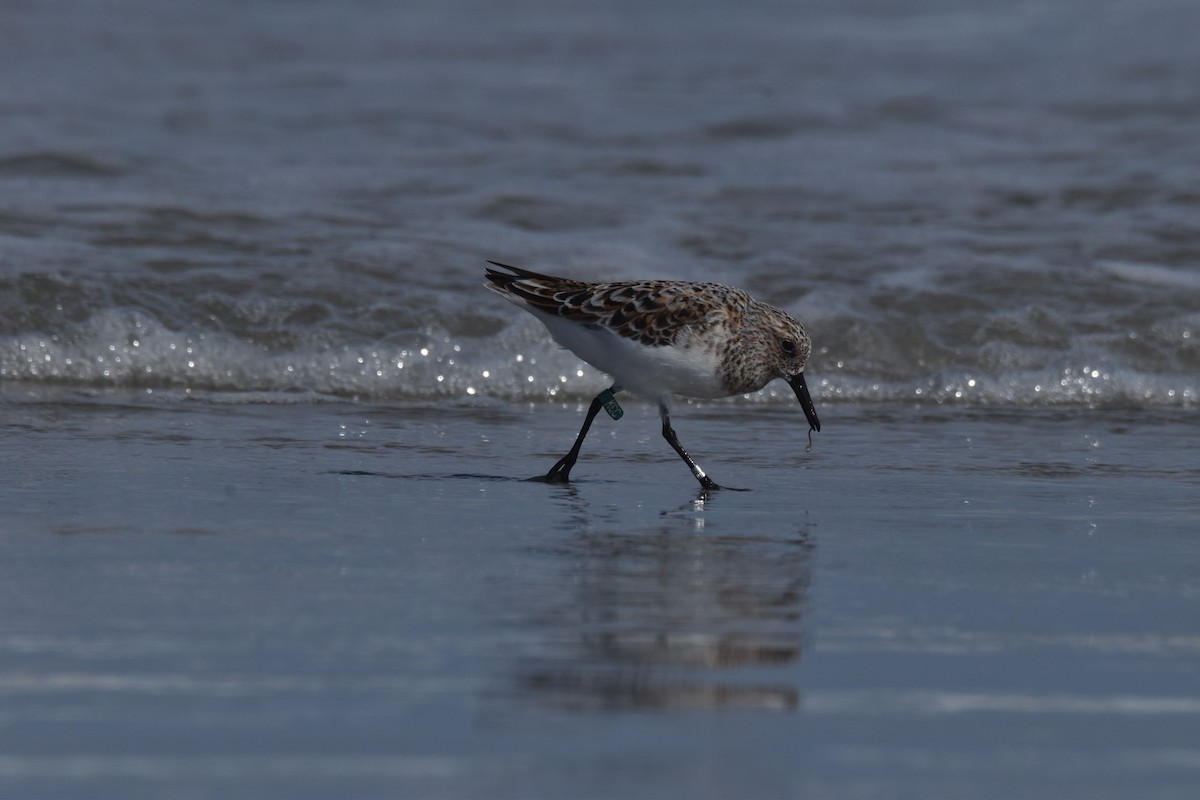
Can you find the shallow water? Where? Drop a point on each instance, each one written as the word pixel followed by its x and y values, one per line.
pixel 297 601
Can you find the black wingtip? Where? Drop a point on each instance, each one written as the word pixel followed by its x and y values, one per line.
pixel 501 279
pixel 517 273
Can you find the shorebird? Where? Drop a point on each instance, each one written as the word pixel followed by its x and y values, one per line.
pixel 659 338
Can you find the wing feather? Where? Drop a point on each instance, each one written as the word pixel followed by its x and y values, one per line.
pixel 650 312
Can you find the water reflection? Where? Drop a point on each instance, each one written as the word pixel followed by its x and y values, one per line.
pixel 679 615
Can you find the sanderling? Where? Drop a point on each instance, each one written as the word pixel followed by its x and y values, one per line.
pixel 659 338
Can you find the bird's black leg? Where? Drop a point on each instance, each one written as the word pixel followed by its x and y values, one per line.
pixel 561 472
pixel 669 434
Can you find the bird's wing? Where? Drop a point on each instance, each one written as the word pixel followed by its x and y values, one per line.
pixel 650 312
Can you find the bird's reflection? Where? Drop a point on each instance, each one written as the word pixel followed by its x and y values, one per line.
pixel 679 615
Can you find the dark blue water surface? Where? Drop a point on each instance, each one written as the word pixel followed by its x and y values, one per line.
pixel 357 601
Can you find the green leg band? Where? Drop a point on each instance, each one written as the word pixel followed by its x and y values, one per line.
pixel 611 405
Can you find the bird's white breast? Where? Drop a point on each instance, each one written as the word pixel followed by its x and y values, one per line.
pixel 687 368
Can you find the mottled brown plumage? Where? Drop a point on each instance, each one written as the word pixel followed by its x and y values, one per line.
pixel 659 338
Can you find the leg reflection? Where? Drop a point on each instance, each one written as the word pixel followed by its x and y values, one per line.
pixel 665 618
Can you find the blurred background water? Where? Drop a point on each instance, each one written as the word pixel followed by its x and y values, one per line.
pixel 968 202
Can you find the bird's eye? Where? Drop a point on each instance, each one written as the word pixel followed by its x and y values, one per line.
pixel 789 347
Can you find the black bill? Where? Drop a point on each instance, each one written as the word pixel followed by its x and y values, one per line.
pixel 801 389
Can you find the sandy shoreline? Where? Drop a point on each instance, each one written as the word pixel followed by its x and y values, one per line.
pixel 294 601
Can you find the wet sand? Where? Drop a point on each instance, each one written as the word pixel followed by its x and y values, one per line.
pixel 330 599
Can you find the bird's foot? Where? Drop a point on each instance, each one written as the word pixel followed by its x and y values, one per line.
pixel 707 485
pixel 559 473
